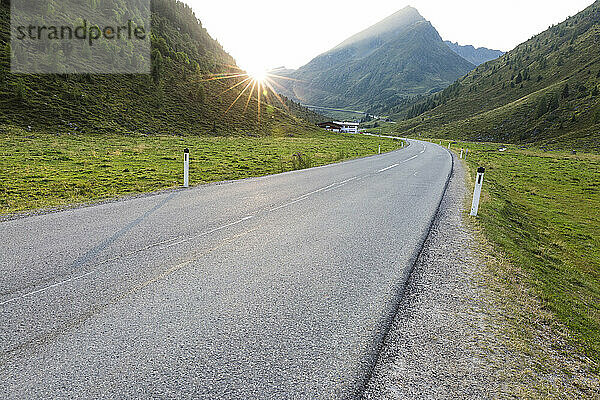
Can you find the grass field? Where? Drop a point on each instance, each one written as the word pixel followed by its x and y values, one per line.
pixel 42 170
pixel 542 210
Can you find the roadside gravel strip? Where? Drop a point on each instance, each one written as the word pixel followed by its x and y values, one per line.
pixel 452 340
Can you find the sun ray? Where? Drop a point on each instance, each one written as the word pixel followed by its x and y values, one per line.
pixel 275 83
pixel 250 96
pixel 258 96
pixel 222 75
pixel 218 78
pixel 287 78
pixel 235 101
pixel 263 82
pixel 236 85
pixel 268 84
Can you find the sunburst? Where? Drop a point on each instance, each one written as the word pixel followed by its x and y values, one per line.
pixel 257 84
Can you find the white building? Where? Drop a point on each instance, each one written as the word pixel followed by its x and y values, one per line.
pixel 348 127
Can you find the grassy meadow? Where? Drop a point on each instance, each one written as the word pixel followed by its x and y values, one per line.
pixel 542 210
pixel 45 170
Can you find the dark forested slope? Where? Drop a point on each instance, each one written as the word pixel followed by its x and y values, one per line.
pixel 179 97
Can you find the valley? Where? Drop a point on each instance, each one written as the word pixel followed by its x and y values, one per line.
pixel 395 60
pixel 301 262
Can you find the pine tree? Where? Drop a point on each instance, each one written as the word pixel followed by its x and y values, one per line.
pixel 542 107
pixel 553 105
pixel 157 62
pixel 565 91
pixel 4 61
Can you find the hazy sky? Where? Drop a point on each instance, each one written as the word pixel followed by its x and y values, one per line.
pixel 264 34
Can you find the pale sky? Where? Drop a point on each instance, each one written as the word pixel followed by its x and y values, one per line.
pixel 265 34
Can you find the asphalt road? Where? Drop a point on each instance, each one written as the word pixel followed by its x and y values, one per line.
pixel 275 287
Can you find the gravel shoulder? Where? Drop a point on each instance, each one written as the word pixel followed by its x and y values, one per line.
pixel 468 327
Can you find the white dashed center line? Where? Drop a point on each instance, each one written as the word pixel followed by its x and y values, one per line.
pixel 390 167
pixel 179 240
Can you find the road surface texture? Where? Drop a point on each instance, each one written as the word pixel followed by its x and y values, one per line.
pixel 455 336
pixel 276 287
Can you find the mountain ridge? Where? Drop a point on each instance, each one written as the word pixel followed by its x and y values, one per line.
pixel 475 55
pixel 402 19
pixel 401 56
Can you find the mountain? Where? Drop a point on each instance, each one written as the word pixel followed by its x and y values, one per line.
pixel 399 57
pixel 183 95
pixel 545 91
pixel 474 55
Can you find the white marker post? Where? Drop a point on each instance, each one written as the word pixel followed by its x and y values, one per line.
pixel 477 194
pixel 449 145
pixel 186 168
pixel 379 149
pixel 461 153
pixel 466 153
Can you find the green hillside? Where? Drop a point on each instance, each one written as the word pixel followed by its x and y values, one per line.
pixel 545 91
pixel 399 57
pixel 178 98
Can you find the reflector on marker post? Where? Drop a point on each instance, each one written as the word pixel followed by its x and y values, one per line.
pixel 477 194
pixel 186 168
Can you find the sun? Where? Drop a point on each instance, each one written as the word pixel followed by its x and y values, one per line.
pixel 258 75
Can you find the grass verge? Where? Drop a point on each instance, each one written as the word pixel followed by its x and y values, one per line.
pixel 542 209
pixel 535 358
pixel 39 170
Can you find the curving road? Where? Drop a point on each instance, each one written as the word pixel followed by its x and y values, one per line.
pixel 275 287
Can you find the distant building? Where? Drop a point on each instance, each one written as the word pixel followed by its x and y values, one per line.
pixel 348 127
pixel 336 126
pixel 330 126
